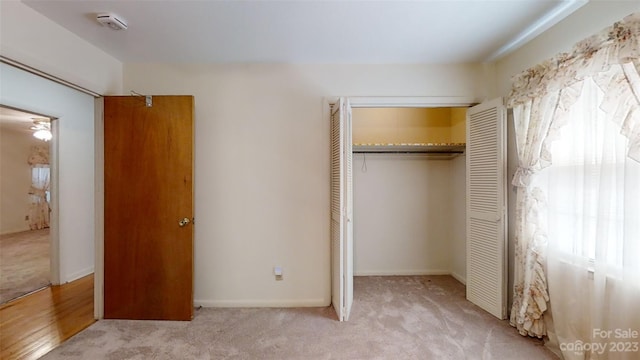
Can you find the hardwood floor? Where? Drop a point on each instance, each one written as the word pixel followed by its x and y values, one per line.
pixel 33 325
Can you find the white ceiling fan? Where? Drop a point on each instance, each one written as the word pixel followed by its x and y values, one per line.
pixel 42 129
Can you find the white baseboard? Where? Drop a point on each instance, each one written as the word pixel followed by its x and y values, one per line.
pixel 315 302
pixel 77 275
pixel 460 278
pixel 400 272
pixel 14 231
pixel 263 303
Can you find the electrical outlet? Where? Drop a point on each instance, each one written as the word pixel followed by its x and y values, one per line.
pixel 277 271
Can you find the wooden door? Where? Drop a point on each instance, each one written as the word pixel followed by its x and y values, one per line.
pixel 148 190
pixel 486 207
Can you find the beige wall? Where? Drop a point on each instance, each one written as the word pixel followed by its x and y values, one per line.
pixel 15 179
pixel 29 37
pixel 406 211
pixel 262 166
pixel 409 125
pixel 458 125
pixel 458 223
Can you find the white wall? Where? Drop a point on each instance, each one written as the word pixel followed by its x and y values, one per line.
pixel 28 37
pixel 403 209
pixel 15 179
pixel 75 139
pixel 262 166
pixel 459 218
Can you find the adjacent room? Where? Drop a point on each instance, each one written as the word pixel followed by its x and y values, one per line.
pixel 313 179
pixel 24 204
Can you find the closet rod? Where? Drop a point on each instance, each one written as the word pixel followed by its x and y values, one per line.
pixel 407 152
pixel 458 148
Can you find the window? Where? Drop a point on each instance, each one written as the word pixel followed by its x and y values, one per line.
pixel 593 197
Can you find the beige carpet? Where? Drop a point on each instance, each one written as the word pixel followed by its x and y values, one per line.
pixel 417 317
pixel 24 263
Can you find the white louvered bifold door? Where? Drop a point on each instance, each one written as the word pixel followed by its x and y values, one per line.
pixel 348 215
pixel 486 207
pixel 337 203
pixel 341 210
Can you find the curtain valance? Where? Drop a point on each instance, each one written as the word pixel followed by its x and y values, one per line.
pixel 39 155
pixel 616 45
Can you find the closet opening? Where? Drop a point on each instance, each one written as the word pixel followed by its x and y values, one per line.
pixel 410 198
pixel 409 184
pixel 377 131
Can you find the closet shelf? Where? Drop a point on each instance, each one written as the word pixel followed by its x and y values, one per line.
pixel 448 149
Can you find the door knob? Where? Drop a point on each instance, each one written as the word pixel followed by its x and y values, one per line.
pixel 184 222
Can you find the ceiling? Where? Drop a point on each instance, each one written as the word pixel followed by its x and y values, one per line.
pixel 17 120
pixel 350 32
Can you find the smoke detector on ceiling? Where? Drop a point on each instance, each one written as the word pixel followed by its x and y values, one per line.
pixel 112 21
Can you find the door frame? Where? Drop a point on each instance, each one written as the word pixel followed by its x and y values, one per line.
pixel 54 226
pixel 54 237
pixel 98 265
pixel 54 175
pixel 390 102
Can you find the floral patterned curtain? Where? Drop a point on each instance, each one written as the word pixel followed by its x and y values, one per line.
pixel 39 207
pixel 39 155
pixel 541 99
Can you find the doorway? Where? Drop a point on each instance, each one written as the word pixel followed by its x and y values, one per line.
pixel 485 250
pixel 72 153
pixel 25 203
